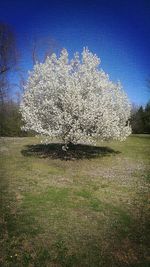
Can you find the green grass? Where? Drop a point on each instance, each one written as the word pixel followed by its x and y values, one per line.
pixel 88 210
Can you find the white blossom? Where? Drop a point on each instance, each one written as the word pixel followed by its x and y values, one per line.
pixel 75 100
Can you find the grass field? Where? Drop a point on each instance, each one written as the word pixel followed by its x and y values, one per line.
pixel 87 209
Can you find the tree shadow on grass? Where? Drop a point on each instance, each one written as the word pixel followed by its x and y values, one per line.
pixel 79 151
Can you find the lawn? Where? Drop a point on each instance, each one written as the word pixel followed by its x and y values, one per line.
pixel 86 208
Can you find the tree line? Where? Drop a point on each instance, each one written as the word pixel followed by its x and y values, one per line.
pixel 10 120
pixel 140 119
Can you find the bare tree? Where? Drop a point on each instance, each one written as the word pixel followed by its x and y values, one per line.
pixel 8 57
pixel 42 47
pixel 38 49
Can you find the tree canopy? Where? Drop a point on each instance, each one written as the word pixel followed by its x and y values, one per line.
pixel 75 100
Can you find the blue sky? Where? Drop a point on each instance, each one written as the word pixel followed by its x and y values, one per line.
pixel 118 31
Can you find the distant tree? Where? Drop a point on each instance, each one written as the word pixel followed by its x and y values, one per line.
pixel 38 48
pixel 41 48
pixel 8 61
pixel 133 120
pixel 137 120
pixel 75 100
pixel 10 120
pixel 140 119
pixel 147 118
pixel 8 57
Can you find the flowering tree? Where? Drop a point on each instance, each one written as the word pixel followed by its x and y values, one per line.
pixel 75 100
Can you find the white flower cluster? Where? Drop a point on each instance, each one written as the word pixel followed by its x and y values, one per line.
pixel 75 100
